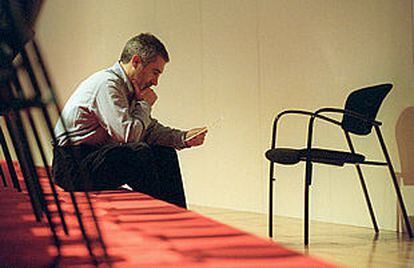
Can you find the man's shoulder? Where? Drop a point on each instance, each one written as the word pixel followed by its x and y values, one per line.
pixel 107 73
pixel 108 76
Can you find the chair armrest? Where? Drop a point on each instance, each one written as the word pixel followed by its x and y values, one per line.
pixel 299 112
pixel 314 114
pixel 349 113
pixel 279 115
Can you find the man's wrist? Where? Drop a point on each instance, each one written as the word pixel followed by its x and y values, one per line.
pixel 184 140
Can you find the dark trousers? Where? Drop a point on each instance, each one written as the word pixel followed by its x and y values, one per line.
pixel 153 170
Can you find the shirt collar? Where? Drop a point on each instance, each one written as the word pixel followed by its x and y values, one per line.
pixel 118 69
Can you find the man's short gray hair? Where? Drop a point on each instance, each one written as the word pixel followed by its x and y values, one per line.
pixel 147 46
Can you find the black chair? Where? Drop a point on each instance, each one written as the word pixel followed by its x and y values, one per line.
pixel 25 86
pixel 358 117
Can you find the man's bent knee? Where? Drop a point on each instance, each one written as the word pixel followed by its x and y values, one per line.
pixel 138 146
pixel 164 151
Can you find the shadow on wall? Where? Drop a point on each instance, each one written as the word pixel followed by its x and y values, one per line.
pixel 404 132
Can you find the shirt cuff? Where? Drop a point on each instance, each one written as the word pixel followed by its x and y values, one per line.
pixel 183 142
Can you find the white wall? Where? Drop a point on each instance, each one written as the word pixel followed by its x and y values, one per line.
pixel 239 63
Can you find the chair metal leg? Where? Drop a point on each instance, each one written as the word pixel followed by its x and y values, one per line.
pixel 3 178
pixel 363 185
pixel 36 132
pixel 48 174
pixel 25 157
pixel 31 177
pixel 15 128
pixel 39 61
pixel 271 180
pixel 9 162
pixel 306 216
pixel 308 180
pixel 367 199
pixel 395 182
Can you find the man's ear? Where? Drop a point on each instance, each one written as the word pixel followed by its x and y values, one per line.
pixel 136 60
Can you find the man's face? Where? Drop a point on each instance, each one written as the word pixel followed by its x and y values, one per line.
pixel 145 77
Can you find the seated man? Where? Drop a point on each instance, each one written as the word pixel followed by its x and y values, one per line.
pixel 106 136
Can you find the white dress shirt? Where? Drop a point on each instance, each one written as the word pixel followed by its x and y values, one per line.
pixel 103 110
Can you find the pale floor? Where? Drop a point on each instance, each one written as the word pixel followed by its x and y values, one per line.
pixel 344 245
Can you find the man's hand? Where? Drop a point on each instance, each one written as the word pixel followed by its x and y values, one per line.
pixel 148 95
pixel 196 140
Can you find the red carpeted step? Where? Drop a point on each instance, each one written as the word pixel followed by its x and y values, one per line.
pixel 138 230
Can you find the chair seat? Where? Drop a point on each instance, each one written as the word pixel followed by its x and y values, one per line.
pixel 288 156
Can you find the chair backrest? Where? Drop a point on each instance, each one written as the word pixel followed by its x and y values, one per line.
pixel 366 102
pixel 404 133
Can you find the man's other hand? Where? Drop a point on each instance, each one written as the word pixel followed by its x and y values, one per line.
pixel 196 140
pixel 148 95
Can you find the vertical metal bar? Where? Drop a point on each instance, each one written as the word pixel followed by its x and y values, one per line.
pixel 38 94
pixel 46 76
pixel 3 178
pixel 308 179
pixel 29 160
pixel 28 167
pixel 270 229
pixel 23 150
pixel 48 174
pixel 14 126
pixel 9 162
pixel 363 184
pixel 271 178
pixel 35 132
pixel 29 172
pixel 72 195
pixel 395 182
pixel 306 216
